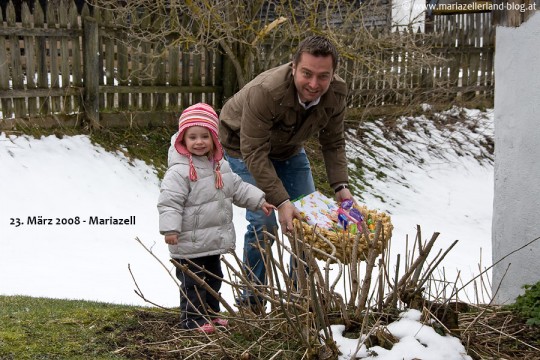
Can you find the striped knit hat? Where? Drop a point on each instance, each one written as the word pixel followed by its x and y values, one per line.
pixel 200 114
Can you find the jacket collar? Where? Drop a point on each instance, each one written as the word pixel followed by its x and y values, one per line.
pixel 290 97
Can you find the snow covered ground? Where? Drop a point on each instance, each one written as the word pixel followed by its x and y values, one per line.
pixel 439 175
pixel 55 190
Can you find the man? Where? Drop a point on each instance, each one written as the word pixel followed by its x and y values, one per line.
pixel 264 126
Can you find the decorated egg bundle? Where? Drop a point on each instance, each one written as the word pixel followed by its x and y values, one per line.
pixel 341 225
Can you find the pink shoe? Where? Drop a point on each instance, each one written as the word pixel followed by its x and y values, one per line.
pixel 221 322
pixel 206 328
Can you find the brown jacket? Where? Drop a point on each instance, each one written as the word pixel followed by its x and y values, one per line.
pixel 264 122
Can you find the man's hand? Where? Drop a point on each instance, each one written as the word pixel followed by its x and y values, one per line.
pixel 344 194
pixel 286 213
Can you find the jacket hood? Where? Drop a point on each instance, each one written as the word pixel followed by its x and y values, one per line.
pixel 174 156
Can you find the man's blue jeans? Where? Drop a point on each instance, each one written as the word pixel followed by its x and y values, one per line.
pixel 295 174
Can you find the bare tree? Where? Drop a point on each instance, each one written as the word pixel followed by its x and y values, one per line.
pixel 256 35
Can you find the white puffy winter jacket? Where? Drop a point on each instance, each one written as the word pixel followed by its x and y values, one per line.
pixel 201 214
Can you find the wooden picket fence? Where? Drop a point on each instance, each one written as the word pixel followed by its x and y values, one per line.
pixel 64 68
pixel 468 41
pixel 466 45
pixel 83 72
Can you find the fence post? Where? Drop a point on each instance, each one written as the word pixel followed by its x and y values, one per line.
pixel 229 77
pixel 91 71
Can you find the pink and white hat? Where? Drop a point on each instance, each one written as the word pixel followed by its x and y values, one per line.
pixel 200 114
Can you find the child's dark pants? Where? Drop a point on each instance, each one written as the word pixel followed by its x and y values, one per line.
pixel 196 303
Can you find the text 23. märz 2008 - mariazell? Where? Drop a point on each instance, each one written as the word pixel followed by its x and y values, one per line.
pixel 74 220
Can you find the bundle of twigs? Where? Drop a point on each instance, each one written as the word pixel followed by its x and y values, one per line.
pixel 299 302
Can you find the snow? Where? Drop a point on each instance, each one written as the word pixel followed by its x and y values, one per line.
pixel 445 185
pixel 415 341
pixel 439 185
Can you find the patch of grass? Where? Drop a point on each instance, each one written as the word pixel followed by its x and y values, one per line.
pixel 357 178
pixel 318 169
pixel 40 328
pixel 43 328
pixel 38 132
pixel 149 144
pixel 528 304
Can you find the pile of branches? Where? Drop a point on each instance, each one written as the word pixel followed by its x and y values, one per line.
pixel 300 302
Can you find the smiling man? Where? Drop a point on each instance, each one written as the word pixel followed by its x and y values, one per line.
pixel 264 126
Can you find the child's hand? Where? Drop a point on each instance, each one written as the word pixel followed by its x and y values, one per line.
pixel 268 208
pixel 171 239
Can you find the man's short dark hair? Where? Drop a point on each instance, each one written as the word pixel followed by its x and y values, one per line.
pixel 317 46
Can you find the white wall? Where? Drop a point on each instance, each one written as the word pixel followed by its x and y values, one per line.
pixel 516 212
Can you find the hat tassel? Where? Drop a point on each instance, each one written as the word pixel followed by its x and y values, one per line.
pixel 192 172
pixel 219 178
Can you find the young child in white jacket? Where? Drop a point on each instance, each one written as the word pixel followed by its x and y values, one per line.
pixel 195 211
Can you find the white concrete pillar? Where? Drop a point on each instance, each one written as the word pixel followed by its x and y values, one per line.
pixel 516 208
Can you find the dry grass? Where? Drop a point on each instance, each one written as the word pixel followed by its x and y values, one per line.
pixel 486 332
pixel 491 332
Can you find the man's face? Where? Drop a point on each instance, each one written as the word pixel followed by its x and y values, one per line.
pixel 312 76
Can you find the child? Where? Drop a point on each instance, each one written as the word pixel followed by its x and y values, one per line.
pixel 195 211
